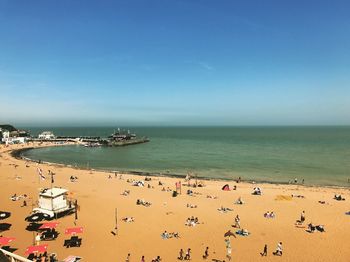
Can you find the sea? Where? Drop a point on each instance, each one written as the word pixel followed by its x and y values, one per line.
pixel 317 155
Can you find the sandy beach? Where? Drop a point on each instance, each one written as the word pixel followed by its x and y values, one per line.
pixel 98 197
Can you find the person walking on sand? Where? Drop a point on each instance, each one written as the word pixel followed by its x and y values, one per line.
pixel 181 254
pixel 206 253
pixel 128 258
pixel 302 217
pixel 188 254
pixel 264 253
pixel 143 259
pixel 279 249
pixel 237 222
pixel 228 249
pixel 37 239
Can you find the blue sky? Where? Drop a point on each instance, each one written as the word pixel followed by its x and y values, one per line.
pixel 175 62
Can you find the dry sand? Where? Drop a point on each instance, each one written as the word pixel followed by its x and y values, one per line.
pixel 98 197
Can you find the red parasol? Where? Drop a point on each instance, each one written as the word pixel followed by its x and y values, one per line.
pixel 73 230
pixel 49 225
pixel 36 249
pixel 6 240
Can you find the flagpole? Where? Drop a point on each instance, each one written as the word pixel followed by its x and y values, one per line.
pixel 116 221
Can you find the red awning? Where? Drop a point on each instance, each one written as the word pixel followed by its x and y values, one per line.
pixel 6 240
pixel 36 249
pixel 49 225
pixel 73 230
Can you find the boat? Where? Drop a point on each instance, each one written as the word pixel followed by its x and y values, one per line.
pixel 92 145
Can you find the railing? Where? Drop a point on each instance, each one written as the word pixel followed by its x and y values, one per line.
pixel 14 257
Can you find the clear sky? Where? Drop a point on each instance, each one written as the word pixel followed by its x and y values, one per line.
pixel 178 62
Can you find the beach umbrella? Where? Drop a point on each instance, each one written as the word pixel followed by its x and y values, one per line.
pixel 36 249
pixel 73 230
pixel 229 234
pixel 4 215
pixel 6 240
pixel 50 225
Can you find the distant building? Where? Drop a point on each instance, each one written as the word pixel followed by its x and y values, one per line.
pixel 5 136
pixel 47 135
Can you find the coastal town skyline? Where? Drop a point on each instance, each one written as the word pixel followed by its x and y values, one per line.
pixel 137 63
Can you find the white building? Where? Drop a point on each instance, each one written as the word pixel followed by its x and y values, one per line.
pixel 7 139
pixel 5 133
pixel 53 201
pixel 46 135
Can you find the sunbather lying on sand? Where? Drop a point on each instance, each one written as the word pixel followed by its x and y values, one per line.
pixel 191 206
pixel 224 209
pixel 212 197
pixel 298 196
pixel 243 232
pixel 125 193
pixel 269 214
pixel 312 228
pixel 138 183
pixel 143 202
pixel 128 219
pixel 166 235
pixel 16 198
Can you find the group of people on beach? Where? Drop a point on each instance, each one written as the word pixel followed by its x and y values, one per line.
pixel 167 235
pixel 192 221
pixel 269 214
pixel 157 259
pixel 183 256
pixel 143 202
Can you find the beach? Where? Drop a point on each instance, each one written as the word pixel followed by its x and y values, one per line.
pixel 99 196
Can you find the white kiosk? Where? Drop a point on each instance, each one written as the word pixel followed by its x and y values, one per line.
pixel 53 202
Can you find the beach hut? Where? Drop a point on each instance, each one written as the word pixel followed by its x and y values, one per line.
pixel 226 187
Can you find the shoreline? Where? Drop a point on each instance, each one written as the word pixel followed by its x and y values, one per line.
pixel 17 153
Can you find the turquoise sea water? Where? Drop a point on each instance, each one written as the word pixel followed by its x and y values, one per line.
pixel 320 155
